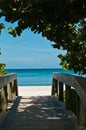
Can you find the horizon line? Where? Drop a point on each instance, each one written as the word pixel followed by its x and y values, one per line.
pixel 34 68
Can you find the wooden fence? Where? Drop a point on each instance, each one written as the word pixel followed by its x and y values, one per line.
pixel 79 85
pixel 8 90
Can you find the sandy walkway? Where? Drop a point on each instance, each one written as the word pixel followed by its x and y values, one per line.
pixel 34 90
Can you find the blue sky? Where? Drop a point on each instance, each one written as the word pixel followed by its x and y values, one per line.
pixel 27 51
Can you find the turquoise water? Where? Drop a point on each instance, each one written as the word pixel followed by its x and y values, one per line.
pixel 36 77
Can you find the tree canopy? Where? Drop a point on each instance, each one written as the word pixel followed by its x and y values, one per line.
pixel 61 21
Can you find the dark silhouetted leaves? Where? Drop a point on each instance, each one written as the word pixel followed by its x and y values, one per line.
pixel 60 21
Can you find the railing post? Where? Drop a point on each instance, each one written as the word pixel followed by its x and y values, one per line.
pixel 4 98
pixel 14 88
pixel 61 91
pixel 10 96
pixel 81 113
pixel 68 97
pixel 54 87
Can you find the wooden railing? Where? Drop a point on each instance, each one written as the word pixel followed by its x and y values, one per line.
pixel 8 90
pixel 71 82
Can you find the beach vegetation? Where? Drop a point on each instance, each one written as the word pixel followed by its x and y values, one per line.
pixel 2 68
pixel 60 21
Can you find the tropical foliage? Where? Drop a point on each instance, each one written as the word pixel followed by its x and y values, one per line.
pixel 2 68
pixel 61 21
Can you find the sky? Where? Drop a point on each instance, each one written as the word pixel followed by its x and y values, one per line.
pixel 27 51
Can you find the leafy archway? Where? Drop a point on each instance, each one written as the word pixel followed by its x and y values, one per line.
pixel 61 21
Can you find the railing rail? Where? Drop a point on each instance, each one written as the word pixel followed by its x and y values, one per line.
pixel 79 85
pixel 8 90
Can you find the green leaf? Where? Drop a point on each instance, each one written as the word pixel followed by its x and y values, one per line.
pixel 2 26
pixel 12 31
pixel 70 25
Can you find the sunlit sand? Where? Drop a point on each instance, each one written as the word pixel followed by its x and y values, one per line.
pixel 34 90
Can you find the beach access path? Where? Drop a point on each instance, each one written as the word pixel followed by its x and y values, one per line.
pixel 36 109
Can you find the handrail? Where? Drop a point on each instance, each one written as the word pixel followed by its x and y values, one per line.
pixel 8 90
pixel 6 79
pixel 79 84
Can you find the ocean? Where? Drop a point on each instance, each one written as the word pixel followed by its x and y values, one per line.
pixel 36 77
